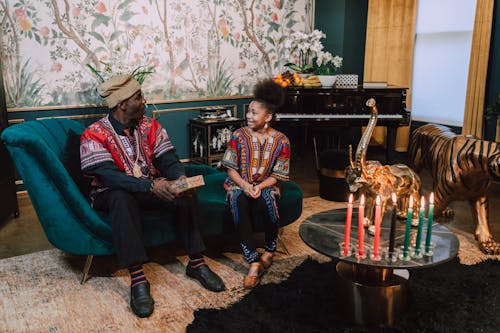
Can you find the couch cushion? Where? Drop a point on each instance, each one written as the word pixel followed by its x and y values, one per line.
pixel 214 209
pixel 216 215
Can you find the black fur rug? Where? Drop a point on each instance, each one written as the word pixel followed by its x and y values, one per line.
pixel 447 298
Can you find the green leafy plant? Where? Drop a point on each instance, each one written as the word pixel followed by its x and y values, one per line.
pixel 139 74
pixel 28 92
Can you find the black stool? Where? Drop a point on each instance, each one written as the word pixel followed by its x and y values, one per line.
pixel 332 184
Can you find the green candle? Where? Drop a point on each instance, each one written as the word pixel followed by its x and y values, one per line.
pixel 421 214
pixel 408 228
pixel 430 219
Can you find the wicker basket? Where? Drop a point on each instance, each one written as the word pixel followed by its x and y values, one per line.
pixel 346 81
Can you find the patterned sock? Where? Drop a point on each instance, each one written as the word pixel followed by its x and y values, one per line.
pixel 196 260
pixel 137 275
pixel 250 255
pixel 271 246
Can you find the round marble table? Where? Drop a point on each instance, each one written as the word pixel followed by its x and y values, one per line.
pixel 375 291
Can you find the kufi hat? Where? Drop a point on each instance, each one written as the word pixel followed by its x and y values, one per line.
pixel 117 89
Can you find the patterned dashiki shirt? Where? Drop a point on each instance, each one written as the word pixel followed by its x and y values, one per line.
pixel 100 143
pixel 255 161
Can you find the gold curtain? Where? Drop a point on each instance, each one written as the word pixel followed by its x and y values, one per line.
pixel 390 40
pixel 478 67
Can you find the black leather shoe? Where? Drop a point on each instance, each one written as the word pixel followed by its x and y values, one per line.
pixel 141 301
pixel 206 277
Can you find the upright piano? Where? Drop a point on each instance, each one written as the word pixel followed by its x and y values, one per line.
pixel 307 108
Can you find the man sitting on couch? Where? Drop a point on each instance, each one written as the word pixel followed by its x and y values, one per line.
pixel 133 165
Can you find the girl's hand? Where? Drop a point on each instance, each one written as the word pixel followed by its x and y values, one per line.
pixel 252 191
pixel 256 192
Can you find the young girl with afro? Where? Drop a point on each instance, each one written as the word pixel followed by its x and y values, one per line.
pixel 257 158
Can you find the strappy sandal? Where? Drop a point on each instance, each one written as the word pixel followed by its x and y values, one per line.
pixel 251 281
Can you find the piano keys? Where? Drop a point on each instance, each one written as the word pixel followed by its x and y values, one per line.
pixel 327 116
pixel 346 108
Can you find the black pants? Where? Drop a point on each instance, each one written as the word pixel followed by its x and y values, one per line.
pixel 125 209
pixel 246 206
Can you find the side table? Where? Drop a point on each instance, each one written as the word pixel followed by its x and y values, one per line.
pixel 208 138
pixel 375 291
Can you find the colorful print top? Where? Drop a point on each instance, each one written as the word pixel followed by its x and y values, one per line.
pixel 100 143
pixel 255 161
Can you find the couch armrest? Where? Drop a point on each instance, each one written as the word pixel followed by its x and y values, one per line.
pixel 42 170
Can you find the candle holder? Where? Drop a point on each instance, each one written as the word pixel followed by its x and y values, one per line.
pixel 381 254
pixel 350 250
pixel 363 256
pixel 404 255
pixel 429 252
pixel 417 253
pixel 391 256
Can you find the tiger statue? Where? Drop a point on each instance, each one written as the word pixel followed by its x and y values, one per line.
pixel 462 168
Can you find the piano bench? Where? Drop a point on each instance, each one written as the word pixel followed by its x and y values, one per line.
pixel 332 183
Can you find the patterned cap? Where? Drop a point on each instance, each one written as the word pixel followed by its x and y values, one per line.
pixel 117 89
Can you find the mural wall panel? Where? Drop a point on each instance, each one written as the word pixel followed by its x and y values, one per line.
pixel 198 49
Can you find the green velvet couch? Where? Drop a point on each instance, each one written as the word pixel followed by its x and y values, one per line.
pixel 40 150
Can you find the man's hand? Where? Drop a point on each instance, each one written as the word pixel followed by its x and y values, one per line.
pixel 188 192
pixel 162 189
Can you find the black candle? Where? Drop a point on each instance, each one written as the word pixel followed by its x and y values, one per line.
pixel 392 235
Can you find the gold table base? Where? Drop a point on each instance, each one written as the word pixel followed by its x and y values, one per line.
pixel 372 295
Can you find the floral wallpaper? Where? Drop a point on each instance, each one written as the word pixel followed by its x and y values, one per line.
pixel 198 49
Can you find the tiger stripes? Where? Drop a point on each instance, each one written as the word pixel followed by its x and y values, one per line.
pixel 462 168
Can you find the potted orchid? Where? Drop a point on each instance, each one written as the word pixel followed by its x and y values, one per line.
pixel 327 66
pixel 308 46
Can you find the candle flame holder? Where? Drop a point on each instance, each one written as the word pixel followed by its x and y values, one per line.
pixel 342 251
pixel 417 253
pixel 391 256
pixel 429 250
pixel 380 254
pixel 361 256
pixel 404 254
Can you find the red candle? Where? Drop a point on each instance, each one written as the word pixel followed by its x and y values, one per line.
pixel 361 227
pixel 347 233
pixel 378 220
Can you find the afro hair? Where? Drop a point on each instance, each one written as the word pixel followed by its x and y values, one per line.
pixel 270 93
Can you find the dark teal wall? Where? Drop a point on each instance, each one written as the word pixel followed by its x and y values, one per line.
pixel 173 116
pixel 344 23
pixel 355 36
pixel 329 18
pixel 493 80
